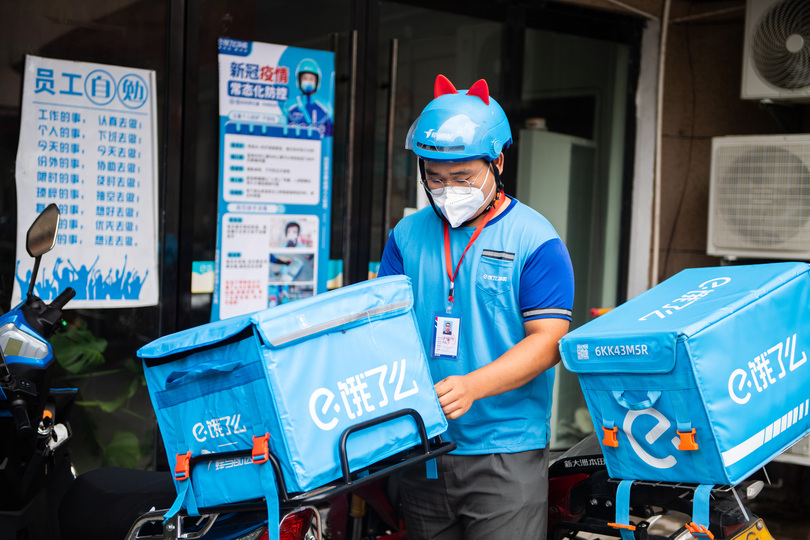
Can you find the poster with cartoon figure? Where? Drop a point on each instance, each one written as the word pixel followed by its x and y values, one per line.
pixel 88 143
pixel 276 122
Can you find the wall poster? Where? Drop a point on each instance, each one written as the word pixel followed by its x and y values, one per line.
pixel 276 114
pixel 88 144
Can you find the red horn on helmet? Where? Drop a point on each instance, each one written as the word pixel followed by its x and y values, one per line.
pixel 480 89
pixel 443 86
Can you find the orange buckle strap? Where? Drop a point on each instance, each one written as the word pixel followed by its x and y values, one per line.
pixel 183 467
pixel 622 526
pixel 261 448
pixel 610 437
pixel 700 530
pixel 687 440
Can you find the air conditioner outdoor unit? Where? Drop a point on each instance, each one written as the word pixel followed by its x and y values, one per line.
pixel 776 58
pixel 759 197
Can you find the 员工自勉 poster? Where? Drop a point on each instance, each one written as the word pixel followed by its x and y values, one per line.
pixel 88 143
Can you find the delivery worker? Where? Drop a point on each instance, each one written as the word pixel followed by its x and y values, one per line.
pixel 308 111
pixel 499 273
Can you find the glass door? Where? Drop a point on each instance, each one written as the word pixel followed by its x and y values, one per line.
pixel 415 44
pixel 571 151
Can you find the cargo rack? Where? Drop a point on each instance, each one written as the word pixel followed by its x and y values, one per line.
pixel 426 450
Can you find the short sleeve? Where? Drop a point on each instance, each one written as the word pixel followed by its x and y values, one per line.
pixel 547 283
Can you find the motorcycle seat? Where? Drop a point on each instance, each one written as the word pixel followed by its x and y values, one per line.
pixel 105 502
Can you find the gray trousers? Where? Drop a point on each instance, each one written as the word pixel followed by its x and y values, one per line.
pixel 487 497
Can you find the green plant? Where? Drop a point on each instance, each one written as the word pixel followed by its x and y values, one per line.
pixel 106 391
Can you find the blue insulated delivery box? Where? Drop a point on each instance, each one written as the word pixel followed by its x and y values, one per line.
pixel 301 372
pixel 702 379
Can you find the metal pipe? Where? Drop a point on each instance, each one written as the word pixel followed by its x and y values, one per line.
pixel 659 107
pixel 634 10
pixel 389 139
pixel 350 143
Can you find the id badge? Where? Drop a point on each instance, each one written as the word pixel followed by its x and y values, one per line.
pixel 446 331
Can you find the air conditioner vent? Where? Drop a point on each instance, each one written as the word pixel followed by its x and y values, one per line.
pixel 781 45
pixel 776 62
pixel 759 200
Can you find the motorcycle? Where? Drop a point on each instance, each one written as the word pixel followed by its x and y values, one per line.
pixel 582 501
pixel 42 498
pixel 35 470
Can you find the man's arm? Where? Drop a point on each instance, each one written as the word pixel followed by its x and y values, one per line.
pixel 530 357
pixel 391 263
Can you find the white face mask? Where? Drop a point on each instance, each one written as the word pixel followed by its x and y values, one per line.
pixel 459 208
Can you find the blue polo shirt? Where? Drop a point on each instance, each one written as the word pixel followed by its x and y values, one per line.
pixel 517 270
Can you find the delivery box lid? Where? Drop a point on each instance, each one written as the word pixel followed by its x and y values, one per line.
pixel 641 335
pixel 287 323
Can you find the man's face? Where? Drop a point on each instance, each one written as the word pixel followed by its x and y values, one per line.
pixel 308 81
pixel 472 172
pixel 292 233
pixel 447 327
pixel 476 172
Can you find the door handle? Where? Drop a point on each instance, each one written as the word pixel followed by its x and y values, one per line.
pixel 393 64
pixel 350 166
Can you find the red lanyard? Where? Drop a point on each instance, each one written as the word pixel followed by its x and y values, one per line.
pixel 448 256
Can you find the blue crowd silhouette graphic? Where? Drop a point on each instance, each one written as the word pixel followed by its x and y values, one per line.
pixel 89 283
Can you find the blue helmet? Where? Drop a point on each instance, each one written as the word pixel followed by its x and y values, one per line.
pixel 460 125
pixel 308 65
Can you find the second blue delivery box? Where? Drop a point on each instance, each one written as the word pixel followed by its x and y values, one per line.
pixel 704 378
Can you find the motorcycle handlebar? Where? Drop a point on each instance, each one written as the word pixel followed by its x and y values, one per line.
pixel 63 298
pixel 21 420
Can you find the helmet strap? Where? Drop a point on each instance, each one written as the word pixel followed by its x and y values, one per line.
pixel 427 191
pixel 498 194
pixel 498 184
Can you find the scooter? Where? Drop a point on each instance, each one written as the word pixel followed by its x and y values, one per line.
pixel 35 467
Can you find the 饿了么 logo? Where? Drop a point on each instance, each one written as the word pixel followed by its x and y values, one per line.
pixel 688 298
pixel 214 428
pixel 651 437
pixel 359 394
pixel 766 369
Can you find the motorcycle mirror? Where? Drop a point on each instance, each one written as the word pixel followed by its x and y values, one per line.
pixel 42 234
pixel 41 238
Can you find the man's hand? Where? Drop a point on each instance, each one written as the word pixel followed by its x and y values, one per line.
pixel 455 396
pixel 530 357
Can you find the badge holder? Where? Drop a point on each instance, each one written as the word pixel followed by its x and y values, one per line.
pixel 446 329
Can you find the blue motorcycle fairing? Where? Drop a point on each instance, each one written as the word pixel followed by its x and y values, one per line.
pixel 16 318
